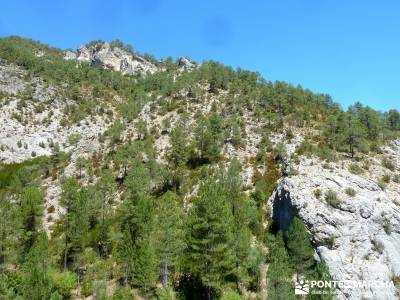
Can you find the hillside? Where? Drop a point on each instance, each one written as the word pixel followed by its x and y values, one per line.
pixel 125 177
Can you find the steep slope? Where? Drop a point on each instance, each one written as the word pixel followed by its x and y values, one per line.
pixel 123 130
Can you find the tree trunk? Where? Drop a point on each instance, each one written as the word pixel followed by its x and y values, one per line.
pixel 65 255
pixel 165 274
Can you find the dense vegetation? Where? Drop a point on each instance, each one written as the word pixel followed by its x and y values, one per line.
pixel 185 228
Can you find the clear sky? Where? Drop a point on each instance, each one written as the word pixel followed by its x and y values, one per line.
pixel 349 49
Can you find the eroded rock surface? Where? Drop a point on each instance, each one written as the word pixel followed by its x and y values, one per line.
pixel 357 236
pixel 106 56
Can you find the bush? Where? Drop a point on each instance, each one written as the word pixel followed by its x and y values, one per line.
pixel 355 169
pixel 388 164
pixel 64 282
pixel 378 246
pixel 332 198
pixel 381 183
pixel 317 193
pixel 386 178
pixel 51 209
pixel 231 295
pixel 74 138
pixel 396 178
pixel 387 226
pixel 351 192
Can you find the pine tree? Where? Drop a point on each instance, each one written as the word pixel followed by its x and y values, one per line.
pixel 31 217
pixel 76 220
pixel 210 255
pixel 170 236
pixel 138 180
pixel 299 246
pixel 104 193
pixel 178 155
pixel 81 163
pixel 280 286
pixel 136 250
pixel 209 137
pixel 37 282
pixel 9 225
pixel 352 133
pixel 242 213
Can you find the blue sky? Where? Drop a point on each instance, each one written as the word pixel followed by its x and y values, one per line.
pixel 349 49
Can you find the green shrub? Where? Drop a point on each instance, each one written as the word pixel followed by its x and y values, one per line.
pixel 387 226
pixel 64 282
pixel 396 178
pixel 317 193
pixel 381 183
pixel 351 192
pixel 231 295
pixel 332 198
pixel 73 139
pixel 388 164
pixel 355 169
pixel 386 178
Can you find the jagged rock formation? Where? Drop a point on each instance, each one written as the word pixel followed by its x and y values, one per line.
pixel 104 55
pixel 358 236
pixel 186 63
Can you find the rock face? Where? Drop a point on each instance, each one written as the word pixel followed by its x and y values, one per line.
pixel 357 236
pixel 185 63
pixel 69 55
pixel 104 55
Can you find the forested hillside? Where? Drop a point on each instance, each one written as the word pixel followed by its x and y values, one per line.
pixel 156 185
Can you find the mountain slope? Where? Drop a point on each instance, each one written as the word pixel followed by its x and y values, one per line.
pixel 107 137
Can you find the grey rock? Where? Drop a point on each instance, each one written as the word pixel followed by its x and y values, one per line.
pixel 69 55
pixel 103 55
pixel 358 239
pixel 185 63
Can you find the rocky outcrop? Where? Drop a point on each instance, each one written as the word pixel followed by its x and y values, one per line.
pixel 357 235
pixel 185 63
pixel 69 55
pixel 106 56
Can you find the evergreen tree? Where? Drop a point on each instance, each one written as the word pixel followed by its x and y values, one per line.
pixel 299 246
pixel 352 133
pixel 169 233
pixel 9 224
pixel 178 155
pixel 393 119
pixel 280 285
pixel 31 217
pixel 208 135
pixel 81 163
pixel 242 213
pixel 37 282
pixel 136 248
pixel 138 180
pixel 210 254
pixel 76 220
pixel 104 194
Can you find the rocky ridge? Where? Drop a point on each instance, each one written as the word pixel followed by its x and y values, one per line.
pixel 106 56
